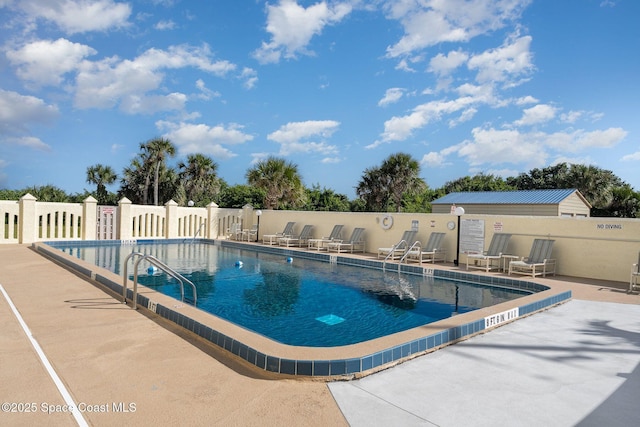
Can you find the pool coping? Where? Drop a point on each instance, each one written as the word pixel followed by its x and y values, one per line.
pixel 327 363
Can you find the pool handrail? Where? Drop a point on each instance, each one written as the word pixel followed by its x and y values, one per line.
pixel 392 252
pixel 416 245
pixel 193 239
pixel 156 262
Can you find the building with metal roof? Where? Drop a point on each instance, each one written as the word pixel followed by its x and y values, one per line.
pixel 562 202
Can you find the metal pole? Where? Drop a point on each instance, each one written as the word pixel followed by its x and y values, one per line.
pixel 455 262
pixel 459 211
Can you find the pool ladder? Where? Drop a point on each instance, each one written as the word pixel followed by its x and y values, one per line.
pixel 392 253
pixel 416 245
pixel 193 239
pixel 159 264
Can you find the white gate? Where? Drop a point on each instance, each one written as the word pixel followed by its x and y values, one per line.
pixel 107 222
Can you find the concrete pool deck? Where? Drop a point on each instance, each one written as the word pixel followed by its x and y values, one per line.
pixel 577 362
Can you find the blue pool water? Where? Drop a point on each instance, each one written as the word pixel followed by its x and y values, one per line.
pixel 303 302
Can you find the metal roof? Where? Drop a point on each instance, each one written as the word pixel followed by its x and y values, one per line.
pixel 524 197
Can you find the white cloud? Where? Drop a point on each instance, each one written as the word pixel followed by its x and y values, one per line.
pixel 331 160
pixel 29 142
pixel 429 23
pixel 292 27
pixel 445 64
pixel 541 113
pixel 182 56
pixel 205 92
pixel 374 144
pixel 433 159
pixel 291 137
pixel 296 131
pixel 633 157
pixel 574 116
pixel 45 62
pixel 403 65
pixel 165 25
pixel 391 96
pixel 571 116
pixel 484 93
pixel 491 146
pixel 504 64
pixel 526 100
pixel 439 158
pixel 580 139
pixel 466 115
pixel 19 112
pixel 105 83
pixel 250 77
pixel 200 138
pixel 134 104
pixel 400 128
pixel 79 16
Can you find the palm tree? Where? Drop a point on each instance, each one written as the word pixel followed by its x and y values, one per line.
pixel 280 180
pixel 134 184
pixel 156 151
pixel 372 190
pixel 595 184
pixel 396 177
pixel 402 173
pixel 101 176
pixel 199 178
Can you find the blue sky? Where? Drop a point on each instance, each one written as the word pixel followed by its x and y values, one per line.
pixel 464 86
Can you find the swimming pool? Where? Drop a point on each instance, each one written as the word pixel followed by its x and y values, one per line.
pixel 343 361
pixel 299 301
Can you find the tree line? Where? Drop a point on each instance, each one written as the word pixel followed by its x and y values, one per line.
pixel 275 183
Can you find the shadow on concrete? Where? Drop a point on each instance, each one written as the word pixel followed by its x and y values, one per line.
pixel 97 304
pixel 621 407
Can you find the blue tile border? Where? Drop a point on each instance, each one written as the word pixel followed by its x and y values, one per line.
pixel 320 368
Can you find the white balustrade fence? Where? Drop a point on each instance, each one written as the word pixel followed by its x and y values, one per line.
pixel 28 221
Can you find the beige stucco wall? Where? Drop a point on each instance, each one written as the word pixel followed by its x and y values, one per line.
pixel 598 248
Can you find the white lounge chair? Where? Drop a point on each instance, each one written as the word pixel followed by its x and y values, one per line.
pixel 235 231
pixel 539 261
pixel 354 242
pixel 635 273
pixel 485 261
pixel 272 239
pixel 399 249
pixel 299 240
pixel 432 252
pixel 321 243
pixel 251 234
